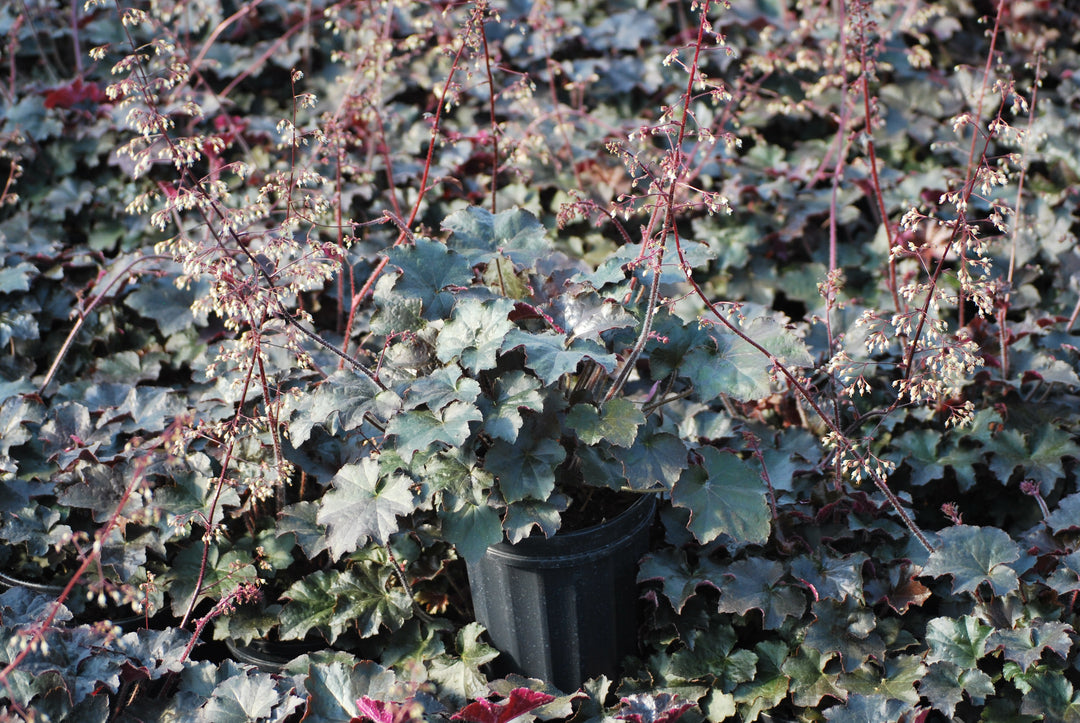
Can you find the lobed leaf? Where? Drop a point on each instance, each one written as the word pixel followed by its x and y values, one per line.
pixel 974 555
pixel 725 495
pixel 362 505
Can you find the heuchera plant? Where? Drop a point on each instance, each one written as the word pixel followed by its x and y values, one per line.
pixel 303 301
pixel 496 387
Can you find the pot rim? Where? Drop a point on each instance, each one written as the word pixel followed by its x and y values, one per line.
pixel 571 546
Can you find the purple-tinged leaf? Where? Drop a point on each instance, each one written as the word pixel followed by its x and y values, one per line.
pixel 1024 646
pixel 1066 578
pixel 680 583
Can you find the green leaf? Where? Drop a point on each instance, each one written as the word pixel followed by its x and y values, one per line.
pixel 160 299
pixel 962 642
pixel 974 555
pixel 583 314
pixel 362 506
pixel 895 682
pixel 420 429
pixel 514 391
pixel 845 629
pixel 525 469
pixel 340 403
pixel 17 277
pixel 809 681
pixel 224 571
pixel 17 325
pixel 601 467
pixel 475 333
pixel 732 367
pixel 831 576
pixel 333 687
pixel 770 685
pixel 654 461
pixel 709 655
pixel 1067 514
pixel 336 601
pixel 427 269
pixel 459 675
pixel 456 472
pixel 396 314
pixel 479 234
pixel 680 583
pixel 1040 457
pixel 472 529
pixel 15 413
pixel 724 496
pixel 369 598
pixel 550 355
pixel 941 686
pixel 1066 577
pixel 1025 645
pixel 441 387
pixel 1053 697
pixel 754 584
pixel 918 448
pixel 249 696
pixel 522 517
pixel 866 709
pixel 618 422
pixel 300 519
pixel 1050 445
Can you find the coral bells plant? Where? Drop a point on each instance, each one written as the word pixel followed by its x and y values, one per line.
pixel 303 303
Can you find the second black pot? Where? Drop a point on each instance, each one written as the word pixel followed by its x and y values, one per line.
pixel 564 609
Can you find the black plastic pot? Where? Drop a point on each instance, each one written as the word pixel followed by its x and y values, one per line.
pixel 76 603
pixel 564 609
pixel 270 656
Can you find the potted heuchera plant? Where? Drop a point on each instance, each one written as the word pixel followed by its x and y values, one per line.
pixel 534 408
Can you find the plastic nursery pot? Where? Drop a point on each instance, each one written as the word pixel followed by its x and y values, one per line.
pixel 270 656
pixel 564 609
pixel 77 603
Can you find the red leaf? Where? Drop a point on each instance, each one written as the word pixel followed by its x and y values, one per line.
pixel 520 702
pixel 74 93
